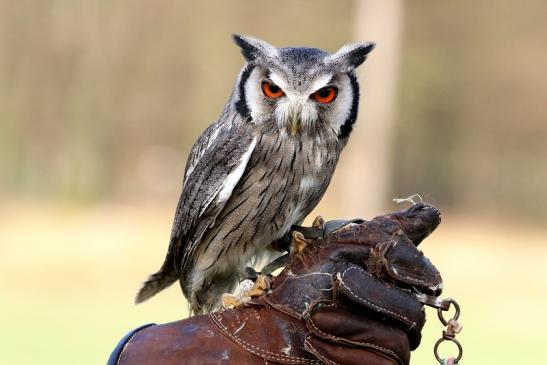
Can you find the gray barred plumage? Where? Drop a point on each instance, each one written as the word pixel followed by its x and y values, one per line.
pixel 261 167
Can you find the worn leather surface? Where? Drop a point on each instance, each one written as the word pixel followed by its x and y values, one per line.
pixel 346 299
pixel 270 334
pixel 193 341
pixel 345 325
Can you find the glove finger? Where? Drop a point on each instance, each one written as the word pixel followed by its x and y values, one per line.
pixel 417 222
pixel 392 257
pixel 380 298
pixel 346 326
pixel 332 353
pixel 401 263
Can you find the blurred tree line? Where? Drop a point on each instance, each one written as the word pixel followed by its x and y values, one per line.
pixel 103 99
pixel 472 124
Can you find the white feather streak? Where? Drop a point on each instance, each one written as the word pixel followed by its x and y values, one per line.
pixel 233 177
pixel 307 182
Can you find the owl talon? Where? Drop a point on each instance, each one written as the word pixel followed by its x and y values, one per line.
pixel 299 243
pixel 311 233
pixel 319 223
pixel 262 285
pixel 241 295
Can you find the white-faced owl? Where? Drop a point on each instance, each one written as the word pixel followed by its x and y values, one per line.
pixel 261 167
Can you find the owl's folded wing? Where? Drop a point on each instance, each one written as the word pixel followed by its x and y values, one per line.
pixel 210 178
pixel 208 186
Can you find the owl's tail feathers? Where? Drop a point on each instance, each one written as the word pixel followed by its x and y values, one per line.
pixel 156 283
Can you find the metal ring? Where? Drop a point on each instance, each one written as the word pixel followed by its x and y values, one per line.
pixel 439 341
pixel 456 315
pixel 431 300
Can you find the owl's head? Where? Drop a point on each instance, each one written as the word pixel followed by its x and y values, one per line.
pixel 299 90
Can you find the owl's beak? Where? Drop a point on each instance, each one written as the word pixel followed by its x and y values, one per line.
pixel 295 126
pixel 297 105
pixel 295 118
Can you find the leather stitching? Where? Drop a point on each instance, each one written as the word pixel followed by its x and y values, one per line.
pixel 381 309
pixel 256 350
pixel 394 272
pixel 307 343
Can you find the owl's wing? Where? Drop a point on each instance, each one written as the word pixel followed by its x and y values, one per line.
pixel 217 162
pixel 209 184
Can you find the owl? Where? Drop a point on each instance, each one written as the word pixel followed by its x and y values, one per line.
pixel 261 167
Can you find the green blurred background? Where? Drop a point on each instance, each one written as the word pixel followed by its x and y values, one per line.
pixel 100 102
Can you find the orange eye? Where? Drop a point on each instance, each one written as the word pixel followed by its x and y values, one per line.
pixel 271 90
pixel 325 95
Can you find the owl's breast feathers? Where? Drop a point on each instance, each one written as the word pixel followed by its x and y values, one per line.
pixel 283 181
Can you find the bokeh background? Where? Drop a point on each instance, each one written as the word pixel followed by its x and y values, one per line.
pixel 100 102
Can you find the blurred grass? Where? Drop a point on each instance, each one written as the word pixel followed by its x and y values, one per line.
pixel 67 283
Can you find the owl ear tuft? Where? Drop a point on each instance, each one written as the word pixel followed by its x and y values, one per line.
pixel 254 48
pixel 352 55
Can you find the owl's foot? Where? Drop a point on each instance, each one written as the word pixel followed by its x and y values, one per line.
pixel 296 245
pixel 319 223
pixel 262 285
pixel 230 300
pixel 241 295
pixel 321 228
pixel 246 290
pixel 299 243
pixel 315 231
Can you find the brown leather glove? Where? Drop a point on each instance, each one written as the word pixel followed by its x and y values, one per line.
pixel 346 298
pixel 368 315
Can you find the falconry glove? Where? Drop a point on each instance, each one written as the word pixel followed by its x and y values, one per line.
pixel 346 298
